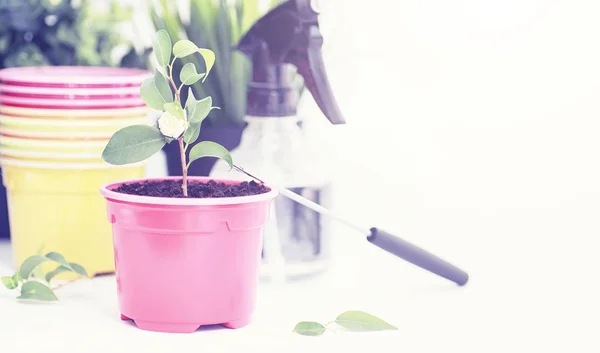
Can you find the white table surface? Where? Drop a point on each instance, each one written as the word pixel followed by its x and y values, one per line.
pixel 526 294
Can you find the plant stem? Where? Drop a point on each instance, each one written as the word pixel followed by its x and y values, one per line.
pixel 177 95
pixel 58 286
pixel 183 167
pixel 182 148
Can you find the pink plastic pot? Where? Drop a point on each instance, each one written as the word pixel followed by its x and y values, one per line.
pixel 49 103
pixel 181 262
pixel 69 93
pixel 73 76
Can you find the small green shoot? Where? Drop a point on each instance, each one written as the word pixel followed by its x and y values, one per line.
pixel 353 320
pixel 29 280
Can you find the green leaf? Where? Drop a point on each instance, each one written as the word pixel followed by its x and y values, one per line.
pixel 192 133
pixel 150 94
pixel 30 264
pixel 57 271
pixel 56 257
pixel 78 269
pixel 36 291
pixel 355 320
pixel 9 283
pixel 184 48
pixel 309 328
pixel 191 100
pixel 210 149
pixel 209 60
pixel 162 47
pixel 133 144
pixel 175 109
pixel 38 272
pixel 163 87
pixel 199 110
pixel 189 75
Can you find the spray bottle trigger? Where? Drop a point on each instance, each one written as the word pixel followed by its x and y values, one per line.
pixel 309 63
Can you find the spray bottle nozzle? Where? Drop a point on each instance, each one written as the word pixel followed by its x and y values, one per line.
pixel 285 41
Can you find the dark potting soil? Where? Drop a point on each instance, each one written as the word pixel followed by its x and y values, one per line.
pixel 196 189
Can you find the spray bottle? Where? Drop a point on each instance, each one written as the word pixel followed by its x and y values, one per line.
pixel 282 44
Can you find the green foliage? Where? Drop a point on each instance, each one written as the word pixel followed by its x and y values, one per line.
pixel 150 94
pixel 309 328
pixel 188 74
pixel 56 257
pixel 11 282
pixel 28 283
pixel 199 109
pixel 210 149
pixel 360 321
pixel 218 25
pixel 78 269
pixel 137 143
pixel 37 291
pixel 133 144
pixel 191 134
pixel 175 109
pixel 60 269
pixel 353 320
pixel 30 264
pixel 163 87
pixel 162 48
pixel 183 48
pixel 67 32
pixel 73 267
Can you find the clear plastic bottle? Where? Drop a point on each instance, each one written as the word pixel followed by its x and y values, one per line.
pixel 284 43
pixel 296 239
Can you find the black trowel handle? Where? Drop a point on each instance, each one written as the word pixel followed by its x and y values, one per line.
pixel 417 256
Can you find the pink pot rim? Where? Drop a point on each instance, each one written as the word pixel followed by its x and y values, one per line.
pixel 106 191
pixel 31 102
pixel 69 92
pixel 73 76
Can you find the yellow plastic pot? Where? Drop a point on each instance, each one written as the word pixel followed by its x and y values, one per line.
pixel 89 146
pixel 57 207
pixel 56 135
pixel 118 113
pixel 81 126
pixel 50 156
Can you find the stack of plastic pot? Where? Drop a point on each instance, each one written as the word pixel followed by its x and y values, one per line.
pixel 54 123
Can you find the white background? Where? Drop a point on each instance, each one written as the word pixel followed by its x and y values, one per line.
pixel 475 125
pixel 472 132
pixel 476 110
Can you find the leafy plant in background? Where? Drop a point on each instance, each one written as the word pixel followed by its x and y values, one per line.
pixel 353 320
pixel 66 32
pixel 29 278
pixel 178 122
pixel 217 25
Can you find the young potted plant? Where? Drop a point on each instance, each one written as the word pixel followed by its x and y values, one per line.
pixel 187 249
pixel 219 25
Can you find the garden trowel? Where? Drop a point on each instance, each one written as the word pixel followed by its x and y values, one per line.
pixel 383 239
